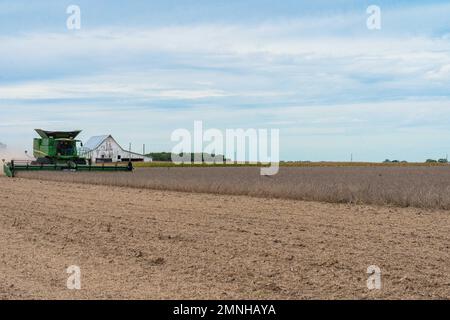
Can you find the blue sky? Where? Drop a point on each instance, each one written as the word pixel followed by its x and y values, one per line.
pixel 141 69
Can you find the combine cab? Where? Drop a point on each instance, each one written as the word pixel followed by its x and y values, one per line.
pixel 56 148
pixel 58 151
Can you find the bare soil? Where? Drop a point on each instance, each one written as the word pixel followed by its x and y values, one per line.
pixel 154 244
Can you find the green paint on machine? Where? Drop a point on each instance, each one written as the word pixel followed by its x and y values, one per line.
pixel 58 151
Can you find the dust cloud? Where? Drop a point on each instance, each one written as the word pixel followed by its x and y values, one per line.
pixel 7 154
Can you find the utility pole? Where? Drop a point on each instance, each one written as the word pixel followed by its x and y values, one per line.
pixel 351 157
pixel 143 149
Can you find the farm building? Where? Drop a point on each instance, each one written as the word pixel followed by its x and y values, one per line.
pixel 103 149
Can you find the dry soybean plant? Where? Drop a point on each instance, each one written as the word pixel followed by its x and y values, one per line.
pixel 423 187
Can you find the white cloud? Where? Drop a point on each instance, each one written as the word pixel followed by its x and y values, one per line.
pixel 217 62
pixel 241 40
pixel 440 74
pixel 91 89
pixel 325 77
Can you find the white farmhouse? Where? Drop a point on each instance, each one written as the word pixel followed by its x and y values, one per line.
pixel 103 149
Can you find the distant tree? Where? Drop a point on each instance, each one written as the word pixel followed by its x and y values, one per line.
pixel 160 156
pixel 443 161
pixel 167 156
pixel 387 161
pixel 431 161
pixel 395 161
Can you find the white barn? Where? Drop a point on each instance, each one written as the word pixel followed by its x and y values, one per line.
pixel 103 149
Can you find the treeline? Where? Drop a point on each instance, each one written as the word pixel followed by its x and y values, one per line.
pixel 427 161
pixel 167 156
pixel 437 161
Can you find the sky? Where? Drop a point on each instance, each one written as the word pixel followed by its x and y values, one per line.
pixel 312 69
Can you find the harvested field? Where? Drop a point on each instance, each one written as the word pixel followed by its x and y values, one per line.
pixel 141 243
pixel 421 187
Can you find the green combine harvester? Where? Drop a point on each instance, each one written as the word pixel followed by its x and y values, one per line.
pixel 58 151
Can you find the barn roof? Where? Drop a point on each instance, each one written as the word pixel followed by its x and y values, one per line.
pixel 94 142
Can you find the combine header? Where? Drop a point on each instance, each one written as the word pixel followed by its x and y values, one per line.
pixel 57 151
